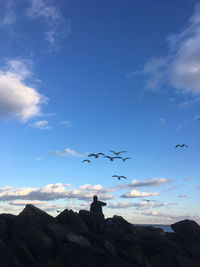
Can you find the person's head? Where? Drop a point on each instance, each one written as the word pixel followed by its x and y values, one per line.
pixel 95 198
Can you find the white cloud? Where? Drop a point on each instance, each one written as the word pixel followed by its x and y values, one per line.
pixel 17 99
pixel 56 26
pixel 147 182
pixel 65 123
pixel 66 152
pixel 139 205
pixel 53 192
pixel 9 16
pixel 137 194
pixel 43 125
pixel 181 67
pixel 170 216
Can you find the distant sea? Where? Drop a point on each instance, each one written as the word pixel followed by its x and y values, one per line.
pixel 164 227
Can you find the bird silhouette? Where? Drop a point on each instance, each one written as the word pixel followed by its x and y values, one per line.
pixel 149 200
pixel 119 176
pixel 181 145
pixel 95 155
pixel 110 158
pixel 124 159
pixel 117 153
pixel 58 211
pixel 86 160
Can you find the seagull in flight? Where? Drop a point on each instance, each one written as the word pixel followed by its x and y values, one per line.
pixel 124 159
pixel 181 145
pixel 149 200
pixel 117 153
pixel 95 155
pixel 111 158
pixel 86 160
pixel 58 211
pixel 119 176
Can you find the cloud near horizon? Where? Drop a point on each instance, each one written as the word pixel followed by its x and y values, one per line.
pixel 55 191
pixel 17 99
pixel 170 216
pixel 181 67
pixel 137 194
pixel 146 183
pixel 142 205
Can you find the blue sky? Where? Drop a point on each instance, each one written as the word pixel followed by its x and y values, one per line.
pixel 81 77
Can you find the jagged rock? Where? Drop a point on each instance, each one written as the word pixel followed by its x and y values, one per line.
pixel 7 257
pixel 78 239
pixel 162 260
pixel 135 255
pixel 94 222
pixel 58 231
pixel 73 219
pixel 110 248
pixel 184 262
pixel 7 222
pixel 20 249
pixel 187 229
pixel 31 212
pixel 36 239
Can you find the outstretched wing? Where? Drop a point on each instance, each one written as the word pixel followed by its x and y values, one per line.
pixel 112 151
pixel 115 176
pixel 91 155
pixel 100 154
pixel 177 146
pixel 122 151
pixel 108 157
pixel 123 177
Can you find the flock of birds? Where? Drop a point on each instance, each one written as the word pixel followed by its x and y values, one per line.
pixel 117 156
pixel 111 158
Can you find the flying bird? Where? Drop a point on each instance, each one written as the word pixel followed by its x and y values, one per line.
pixel 149 200
pixel 117 153
pixel 119 176
pixel 86 160
pixel 124 159
pixel 58 211
pixel 181 145
pixel 110 158
pixel 95 155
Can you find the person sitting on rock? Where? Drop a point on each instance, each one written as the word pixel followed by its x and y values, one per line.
pixel 96 206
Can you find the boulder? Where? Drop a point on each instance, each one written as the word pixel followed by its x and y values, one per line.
pixel 78 239
pixel 22 252
pixel 135 255
pixel 93 221
pixel 73 219
pixel 187 229
pixel 33 213
pixel 7 257
pixel 162 260
pixel 185 262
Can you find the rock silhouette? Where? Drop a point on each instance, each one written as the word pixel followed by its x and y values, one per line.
pixel 36 239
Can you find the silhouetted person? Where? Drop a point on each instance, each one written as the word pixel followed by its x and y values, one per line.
pixel 96 206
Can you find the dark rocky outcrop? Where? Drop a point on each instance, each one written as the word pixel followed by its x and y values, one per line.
pixel 36 239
